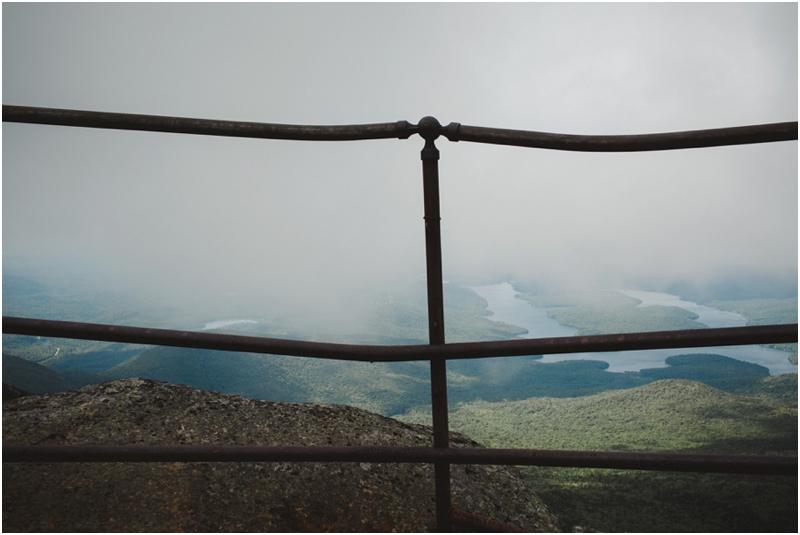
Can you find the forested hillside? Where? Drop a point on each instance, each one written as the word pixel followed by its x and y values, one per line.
pixel 38 379
pixel 669 416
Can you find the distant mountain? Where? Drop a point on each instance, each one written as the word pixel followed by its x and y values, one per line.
pixel 250 375
pixel 38 379
pixel 717 371
pixel 387 388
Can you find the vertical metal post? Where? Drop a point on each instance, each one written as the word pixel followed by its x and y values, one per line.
pixel 429 129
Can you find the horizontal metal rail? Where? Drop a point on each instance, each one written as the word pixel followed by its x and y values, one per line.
pixel 761 334
pixel 676 462
pixel 742 135
pixel 765 133
pixel 205 127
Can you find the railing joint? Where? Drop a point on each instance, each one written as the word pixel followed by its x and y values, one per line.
pixel 451 131
pixel 406 129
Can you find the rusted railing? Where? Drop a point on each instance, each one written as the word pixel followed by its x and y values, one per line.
pixel 728 336
pixel 437 352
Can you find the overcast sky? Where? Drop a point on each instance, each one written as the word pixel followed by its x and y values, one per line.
pixel 311 222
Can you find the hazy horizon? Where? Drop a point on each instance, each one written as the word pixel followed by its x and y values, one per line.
pixel 193 221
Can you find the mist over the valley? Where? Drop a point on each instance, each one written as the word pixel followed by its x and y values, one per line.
pixel 314 233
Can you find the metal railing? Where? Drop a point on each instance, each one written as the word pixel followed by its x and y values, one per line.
pixel 437 352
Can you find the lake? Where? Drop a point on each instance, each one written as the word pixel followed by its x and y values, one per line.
pixel 502 301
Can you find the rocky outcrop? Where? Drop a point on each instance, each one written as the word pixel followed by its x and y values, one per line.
pixel 210 497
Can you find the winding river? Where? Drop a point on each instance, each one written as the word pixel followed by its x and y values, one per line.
pixel 508 309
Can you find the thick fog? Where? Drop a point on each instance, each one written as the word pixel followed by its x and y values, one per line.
pixel 195 221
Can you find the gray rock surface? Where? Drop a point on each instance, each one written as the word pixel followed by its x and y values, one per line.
pixel 210 497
